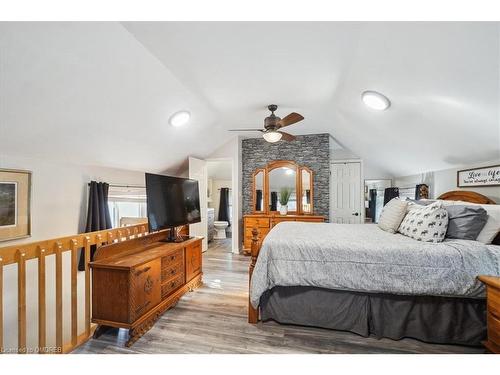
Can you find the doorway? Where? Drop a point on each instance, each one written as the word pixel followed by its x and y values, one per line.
pixel 218 203
pixel 345 193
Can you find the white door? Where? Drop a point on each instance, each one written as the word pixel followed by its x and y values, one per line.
pixel 345 193
pixel 198 171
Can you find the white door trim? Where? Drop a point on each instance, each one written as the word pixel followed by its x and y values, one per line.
pixel 198 171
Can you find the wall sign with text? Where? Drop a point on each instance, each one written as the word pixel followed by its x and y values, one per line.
pixel 484 176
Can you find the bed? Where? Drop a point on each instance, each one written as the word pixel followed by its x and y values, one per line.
pixel 361 279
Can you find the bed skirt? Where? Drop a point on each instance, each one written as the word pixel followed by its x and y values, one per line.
pixel 443 320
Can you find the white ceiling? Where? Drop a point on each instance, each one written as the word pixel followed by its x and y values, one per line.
pixel 101 93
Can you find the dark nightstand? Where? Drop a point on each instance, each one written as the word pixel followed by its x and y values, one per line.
pixel 493 318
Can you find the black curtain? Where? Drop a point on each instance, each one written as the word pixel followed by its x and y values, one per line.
pixel 308 196
pixel 258 200
pixel 98 217
pixel 274 201
pixel 224 205
pixel 390 193
pixel 372 204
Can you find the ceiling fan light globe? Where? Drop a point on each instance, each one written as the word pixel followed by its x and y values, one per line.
pixel 272 136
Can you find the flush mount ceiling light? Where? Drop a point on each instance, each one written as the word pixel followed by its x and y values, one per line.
pixel 272 136
pixel 375 100
pixel 179 118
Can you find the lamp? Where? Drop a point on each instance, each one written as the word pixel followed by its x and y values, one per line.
pixel 272 136
pixel 375 100
pixel 180 118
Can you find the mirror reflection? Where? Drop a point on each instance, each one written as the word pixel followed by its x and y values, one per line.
pixel 259 191
pixel 282 185
pixel 306 191
pixel 374 198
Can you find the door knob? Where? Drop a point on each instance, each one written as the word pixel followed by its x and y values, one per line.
pixel 356 214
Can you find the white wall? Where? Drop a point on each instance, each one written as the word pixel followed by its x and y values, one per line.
pixel 445 180
pixel 59 200
pixel 371 171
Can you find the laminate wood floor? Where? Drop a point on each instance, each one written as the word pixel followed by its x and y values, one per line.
pixel 213 319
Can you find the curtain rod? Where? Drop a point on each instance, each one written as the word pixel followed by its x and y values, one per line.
pixel 125 186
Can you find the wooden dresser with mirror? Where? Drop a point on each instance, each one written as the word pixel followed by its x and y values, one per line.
pixel 267 183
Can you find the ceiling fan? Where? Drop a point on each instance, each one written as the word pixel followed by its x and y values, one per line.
pixel 273 124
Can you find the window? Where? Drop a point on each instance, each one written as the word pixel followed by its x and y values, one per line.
pixel 126 201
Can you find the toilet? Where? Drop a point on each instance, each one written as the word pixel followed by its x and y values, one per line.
pixel 220 229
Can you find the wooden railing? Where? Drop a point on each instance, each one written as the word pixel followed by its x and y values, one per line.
pixel 20 254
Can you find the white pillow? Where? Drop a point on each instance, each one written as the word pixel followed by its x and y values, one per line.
pixel 392 214
pixel 426 223
pixel 492 226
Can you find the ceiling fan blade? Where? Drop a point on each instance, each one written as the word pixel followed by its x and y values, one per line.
pixel 287 136
pixel 292 118
pixel 245 130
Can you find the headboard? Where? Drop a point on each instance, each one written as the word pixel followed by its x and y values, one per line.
pixel 471 197
pixel 466 196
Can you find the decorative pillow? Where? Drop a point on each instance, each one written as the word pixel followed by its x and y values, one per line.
pixel 421 202
pixel 426 223
pixel 465 222
pixel 492 227
pixel 392 214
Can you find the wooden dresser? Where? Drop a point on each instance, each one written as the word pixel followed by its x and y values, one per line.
pixel 493 315
pixel 264 224
pixel 135 281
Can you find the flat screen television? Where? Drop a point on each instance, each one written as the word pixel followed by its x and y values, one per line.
pixel 171 202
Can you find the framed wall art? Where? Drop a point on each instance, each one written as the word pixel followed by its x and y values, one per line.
pixel 15 204
pixel 483 176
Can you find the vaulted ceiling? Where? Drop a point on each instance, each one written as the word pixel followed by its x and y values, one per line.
pixel 102 93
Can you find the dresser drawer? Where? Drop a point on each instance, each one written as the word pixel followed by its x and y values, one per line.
pixel 174 257
pixel 493 329
pixel 260 222
pixel 193 260
pixel 171 285
pixel 172 271
pixel 311 219
pixel 277 220
pixel 247 244
pixel 262 232
pixel 145 291
pixel 494 301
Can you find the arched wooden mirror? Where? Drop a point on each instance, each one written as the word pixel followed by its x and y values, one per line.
pixel 282 177
pixel 258 190
pixel 306 191
pixel 272 184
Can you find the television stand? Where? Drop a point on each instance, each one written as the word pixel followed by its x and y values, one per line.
pixel 173 237
pixel 178 239
pixel 135 281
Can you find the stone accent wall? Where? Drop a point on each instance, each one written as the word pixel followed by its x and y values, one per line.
pixel 312 151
